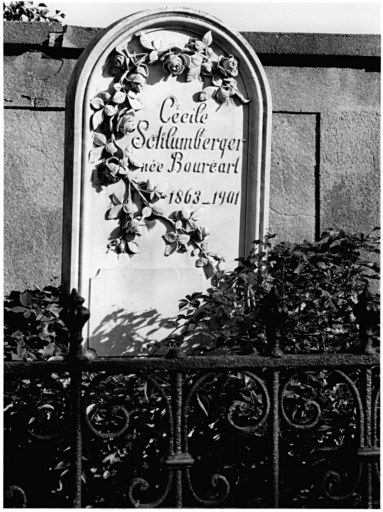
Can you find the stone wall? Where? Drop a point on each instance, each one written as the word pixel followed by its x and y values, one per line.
pixel 325 142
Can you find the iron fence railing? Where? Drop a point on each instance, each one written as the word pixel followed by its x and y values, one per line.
pixel 240 431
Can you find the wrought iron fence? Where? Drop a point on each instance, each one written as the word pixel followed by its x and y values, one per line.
pixel 240 431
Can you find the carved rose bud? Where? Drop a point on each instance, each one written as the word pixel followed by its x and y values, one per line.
pixel 228 66
pixel 119 61
pixel 114 243
pixel 111 170
pixel 174 64
pixel 209 52
pixel 203 96
pixel 126 123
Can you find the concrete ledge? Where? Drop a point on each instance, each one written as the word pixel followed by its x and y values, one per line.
pixel 268 43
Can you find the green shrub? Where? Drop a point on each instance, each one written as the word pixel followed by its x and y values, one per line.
pixel 26 11
pixel 33 328
pixel 317 284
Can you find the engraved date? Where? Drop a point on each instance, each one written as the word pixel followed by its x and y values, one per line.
pixel 193 196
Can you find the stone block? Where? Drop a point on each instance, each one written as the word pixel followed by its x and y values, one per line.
pixel 33 182
pixel 29 32
pixel 292 177
pixel 80 37
pixel 350 171
pixel 314 44
pixel 323 89
pixel 33 79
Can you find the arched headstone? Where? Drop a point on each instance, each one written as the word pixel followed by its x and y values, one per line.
pixel 168 121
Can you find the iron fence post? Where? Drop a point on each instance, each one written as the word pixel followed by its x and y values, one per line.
pixel 75 315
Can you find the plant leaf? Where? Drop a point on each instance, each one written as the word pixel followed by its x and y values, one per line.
pixel 115 211
pixel 111 110
pixel 146 212
pixel 133 247
pixel 208 38
pixel 161 187
pixel 119 97
pixel 157 43
pixel 135 103
pixel 135 162
pixel 25 298
pixel 145 41
pixel 202 262
pixel 199 45
pixel 95 154
pixel 97 119
pixel 158 211
pixel 153 57
pixel 183 239
pixel 115 199
pixel 97 103
pixel 169 249
pixel 99 139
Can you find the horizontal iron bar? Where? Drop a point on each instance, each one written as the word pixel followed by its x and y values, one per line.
pixel 148 364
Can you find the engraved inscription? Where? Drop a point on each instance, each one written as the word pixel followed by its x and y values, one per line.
pixel 169 138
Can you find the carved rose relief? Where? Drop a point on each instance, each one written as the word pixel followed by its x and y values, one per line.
pixel 115 117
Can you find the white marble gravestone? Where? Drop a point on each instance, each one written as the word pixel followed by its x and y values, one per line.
pixel 166 170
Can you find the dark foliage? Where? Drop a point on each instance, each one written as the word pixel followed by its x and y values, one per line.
pixel 317 285
pixel 26 11
pixel 33 328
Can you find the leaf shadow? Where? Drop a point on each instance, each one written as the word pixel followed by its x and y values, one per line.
pixel 126 334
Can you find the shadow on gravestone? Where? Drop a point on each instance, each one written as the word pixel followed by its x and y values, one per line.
pixel 166 170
